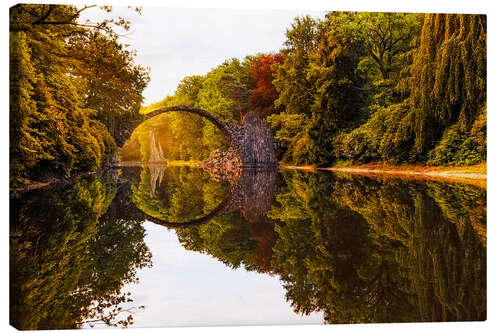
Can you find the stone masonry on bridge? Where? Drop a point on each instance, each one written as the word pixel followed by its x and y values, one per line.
pixel 253 191
pixel 252 140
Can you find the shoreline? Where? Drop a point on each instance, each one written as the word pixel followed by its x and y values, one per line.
pixel 475 175
pixel 166 163
pixel 52 181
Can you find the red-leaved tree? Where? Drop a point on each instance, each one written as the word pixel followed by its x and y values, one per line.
pixel 262 98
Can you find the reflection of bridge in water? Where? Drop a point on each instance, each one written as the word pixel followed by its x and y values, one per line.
pixel 252 194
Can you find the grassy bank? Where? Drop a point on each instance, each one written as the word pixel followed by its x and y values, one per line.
pixel 475 174
pixel 191 163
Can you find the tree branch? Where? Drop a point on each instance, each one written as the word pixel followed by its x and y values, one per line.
pixel 108 317
pixel 44 17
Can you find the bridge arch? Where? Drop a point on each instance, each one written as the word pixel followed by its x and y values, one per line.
pixel 252 194
pixel 229 130
pixel 225 206
pixel 252 140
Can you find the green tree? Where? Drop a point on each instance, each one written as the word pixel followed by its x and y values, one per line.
pixel 111 83
pixel 189 88
pixel 339 99
pixel 295 90
pixel 54 131
pixel 291 82
pixel 226 89
pixel 448 77
pixel 388 37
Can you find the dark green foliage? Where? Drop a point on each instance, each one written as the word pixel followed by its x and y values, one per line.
pixel 338 95
pixel 292 84
pixel 319 80
pixel 448 77
pixel 401 88
pixel 339 100
pixel 385 136
pixel 459 148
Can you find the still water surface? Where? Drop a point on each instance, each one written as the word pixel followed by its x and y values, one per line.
pixel 288 247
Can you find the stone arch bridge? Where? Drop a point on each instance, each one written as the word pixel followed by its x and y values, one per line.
pixel 252 140
pixel 253 191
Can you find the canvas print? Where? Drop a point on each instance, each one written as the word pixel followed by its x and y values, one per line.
pixel 212 167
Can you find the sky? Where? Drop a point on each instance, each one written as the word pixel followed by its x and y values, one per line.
pixel 177 42
pixel 187 288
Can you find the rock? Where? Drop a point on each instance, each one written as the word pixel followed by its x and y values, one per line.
pixel 223 165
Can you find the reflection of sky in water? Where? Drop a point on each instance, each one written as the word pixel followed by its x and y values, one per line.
pixel 186 288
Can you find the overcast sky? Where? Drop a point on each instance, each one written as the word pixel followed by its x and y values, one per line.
pixel 177 42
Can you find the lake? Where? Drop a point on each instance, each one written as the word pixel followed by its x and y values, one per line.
pixel 159 246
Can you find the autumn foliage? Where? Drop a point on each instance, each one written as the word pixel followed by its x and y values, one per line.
pixel 263 97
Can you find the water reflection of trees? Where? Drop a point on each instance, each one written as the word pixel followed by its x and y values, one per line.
pixel 177 193
pixel 244 236
pixel 442 230
pixel 71 252
pixel 357 249
pixel 364 250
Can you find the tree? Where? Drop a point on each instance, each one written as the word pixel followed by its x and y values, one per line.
pixel 26 145
pixel 225 93
pixel 111 83
pixel 291 82
pixel 58 126
pixel 295 90
pixel 189 88
pixel 226 89
pixel 34 16
pixel 264 95
pixel 448 77
pixel 62 134
pixel 388 36
pixel 339 99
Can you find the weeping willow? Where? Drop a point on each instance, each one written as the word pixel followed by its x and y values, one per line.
pixel 447 79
